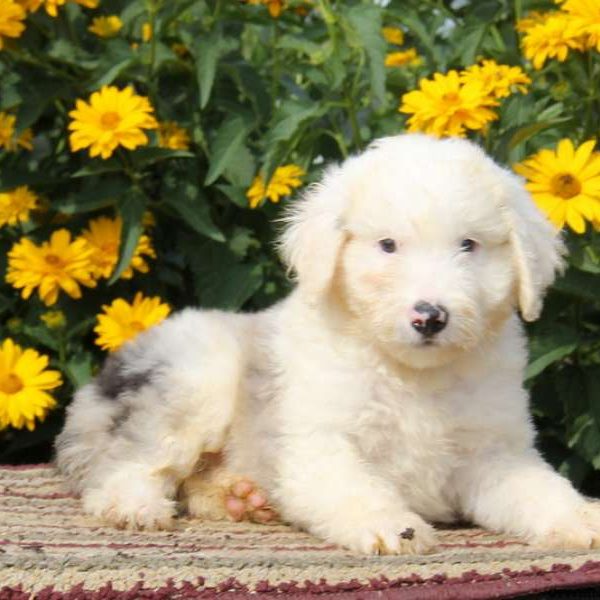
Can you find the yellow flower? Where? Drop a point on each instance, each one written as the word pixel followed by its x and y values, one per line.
pixel 282 183
pixel 553 38
pixel 8 140
pixel 275 6
pixel 146 32
pixel 535 17
pixel 565 183
pixel 393 35
pixel 122 321
pixel 24 381
pixel 497 80
pixel 104 237
pixel 12 16
pixel 112 118
pixel 16 205
pixel 51 6
pixel 401 58
pixel 171 135
pixel 54 319
pixel 586 16
pixel 106 27
pixel 446 107
pixel 30 5
pixel 55 265
pixel 88 3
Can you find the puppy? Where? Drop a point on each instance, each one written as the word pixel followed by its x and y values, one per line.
pixel 383 394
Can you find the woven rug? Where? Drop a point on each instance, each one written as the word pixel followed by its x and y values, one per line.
pixel 50 550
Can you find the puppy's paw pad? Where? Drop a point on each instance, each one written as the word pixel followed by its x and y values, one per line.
pixel 244 501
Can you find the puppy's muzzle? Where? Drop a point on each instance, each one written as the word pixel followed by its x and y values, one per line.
pixel 428 319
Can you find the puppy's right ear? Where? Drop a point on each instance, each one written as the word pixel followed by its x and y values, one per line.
pixel 313 235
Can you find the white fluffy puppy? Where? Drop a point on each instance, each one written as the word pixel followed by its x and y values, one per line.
pixel 384 393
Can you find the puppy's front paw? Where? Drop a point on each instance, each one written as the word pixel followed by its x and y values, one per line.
pixel 580 530
pixel 406 533
pixel 130 512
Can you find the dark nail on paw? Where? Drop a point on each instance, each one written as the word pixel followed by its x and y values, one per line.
pixel 408 534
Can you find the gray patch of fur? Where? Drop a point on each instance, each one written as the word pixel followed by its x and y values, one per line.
pixel 113 380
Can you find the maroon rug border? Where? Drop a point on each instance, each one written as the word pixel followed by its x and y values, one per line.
pixel 471 585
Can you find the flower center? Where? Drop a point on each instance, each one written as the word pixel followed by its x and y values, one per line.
pixel 52 260
pixel 110 120
pixel 11 384
pixel 110 248
pixel 450 97
pixel 137 326
pixel 565 185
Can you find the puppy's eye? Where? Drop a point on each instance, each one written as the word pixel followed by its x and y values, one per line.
pixel 468 245
pixel 387 245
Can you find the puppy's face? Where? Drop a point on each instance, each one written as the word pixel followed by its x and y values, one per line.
pixel 427 244
pixel 426 267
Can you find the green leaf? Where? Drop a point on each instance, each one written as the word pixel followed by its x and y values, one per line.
pixel 148 155
pixel 469 42
pixel 79 369
pixel 93 196
pixel 131 209
pixel 220 280
pixel 227 145
pixel 99 167
pixel 549 347
pixel 194 210
pixel 366 22
pixel 585 286
pixel 207 51
pixel 41 335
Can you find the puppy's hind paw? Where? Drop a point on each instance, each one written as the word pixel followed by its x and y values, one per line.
pixel 127 513
pixel 245 501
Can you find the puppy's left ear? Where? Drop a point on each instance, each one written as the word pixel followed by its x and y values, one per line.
pixel 537 245
pixel 313 235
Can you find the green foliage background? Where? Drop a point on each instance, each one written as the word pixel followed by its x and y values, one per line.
pixel 257 92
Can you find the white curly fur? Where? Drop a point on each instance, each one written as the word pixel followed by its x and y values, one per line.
pixel 330 400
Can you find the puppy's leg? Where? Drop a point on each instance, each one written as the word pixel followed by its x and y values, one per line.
pixel 324 486
pixel 165 400
pixel 521 494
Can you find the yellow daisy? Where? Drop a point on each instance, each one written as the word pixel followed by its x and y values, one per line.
pixel 282 183
pixel 16 205
pixel 171 135
pixel 106 27
pixel 565 183
pixel 8 140
pixel 54 319
pixel 60 264
pixel 147 32
pixel 586 16
pixel 104 237
pixel 275 6
pixel 51 6
pixel 112 118
pixel 88 3
pixel 31 5
pixel 12 16
pixel 535 17
pixel 393 35
pixel 445 106
pixel 401 58
pixel 497 80
pixel 24 381
pixel 553 38
pixel 122 321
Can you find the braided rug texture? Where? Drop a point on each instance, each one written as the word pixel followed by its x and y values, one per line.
pixel 49 551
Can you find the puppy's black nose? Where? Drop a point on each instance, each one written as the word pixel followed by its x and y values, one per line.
pixel 429 319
